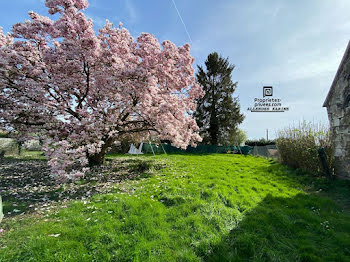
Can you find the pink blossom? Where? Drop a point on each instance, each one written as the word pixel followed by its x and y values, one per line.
pixel 84 91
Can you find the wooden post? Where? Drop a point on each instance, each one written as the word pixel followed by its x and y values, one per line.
pixel 1 211
pixel 324 162
pixel 267 134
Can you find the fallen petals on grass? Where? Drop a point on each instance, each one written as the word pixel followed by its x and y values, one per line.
pixel 54 235
pixel 28 187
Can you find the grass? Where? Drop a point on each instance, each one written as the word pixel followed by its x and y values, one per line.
pixel 193 208
pixel 26 155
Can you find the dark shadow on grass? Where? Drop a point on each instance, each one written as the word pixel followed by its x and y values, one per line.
pixel 27 186
pixel 336 189
pixel 301 228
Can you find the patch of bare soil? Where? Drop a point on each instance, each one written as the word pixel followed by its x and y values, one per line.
pixel 27 186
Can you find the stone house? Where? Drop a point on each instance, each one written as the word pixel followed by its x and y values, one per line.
pixel 338 108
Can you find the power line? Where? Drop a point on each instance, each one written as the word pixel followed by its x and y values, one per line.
pixel 177 10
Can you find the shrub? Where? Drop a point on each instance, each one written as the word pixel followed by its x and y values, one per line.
pixel 3 134
pixel 122 147
pixel 237 138
pixel 8 145
pixel 298 146
pixel 260 142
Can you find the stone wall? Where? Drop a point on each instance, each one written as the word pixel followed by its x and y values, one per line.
pixel 339 116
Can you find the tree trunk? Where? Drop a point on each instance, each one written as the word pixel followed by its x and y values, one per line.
pixel 96 160
pixel 213 129
pixel 99 158
pixel 19 147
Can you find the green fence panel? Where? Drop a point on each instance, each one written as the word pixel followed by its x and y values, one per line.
pixel 246 150
pixel 200 149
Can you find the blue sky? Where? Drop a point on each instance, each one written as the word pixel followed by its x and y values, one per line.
pixel 295 46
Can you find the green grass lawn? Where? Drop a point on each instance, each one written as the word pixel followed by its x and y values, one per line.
pixel 193 208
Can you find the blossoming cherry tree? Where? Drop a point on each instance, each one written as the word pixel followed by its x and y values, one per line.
pixel 85 91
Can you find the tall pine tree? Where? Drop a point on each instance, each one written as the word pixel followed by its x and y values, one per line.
pixel 218 112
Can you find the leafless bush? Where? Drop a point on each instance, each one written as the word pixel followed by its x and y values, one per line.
pixel 298 145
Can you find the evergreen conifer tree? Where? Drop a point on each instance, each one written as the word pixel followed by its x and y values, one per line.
pixel 218 112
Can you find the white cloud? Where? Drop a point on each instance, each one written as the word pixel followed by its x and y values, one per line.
pixel 294 46
pixel 132 13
